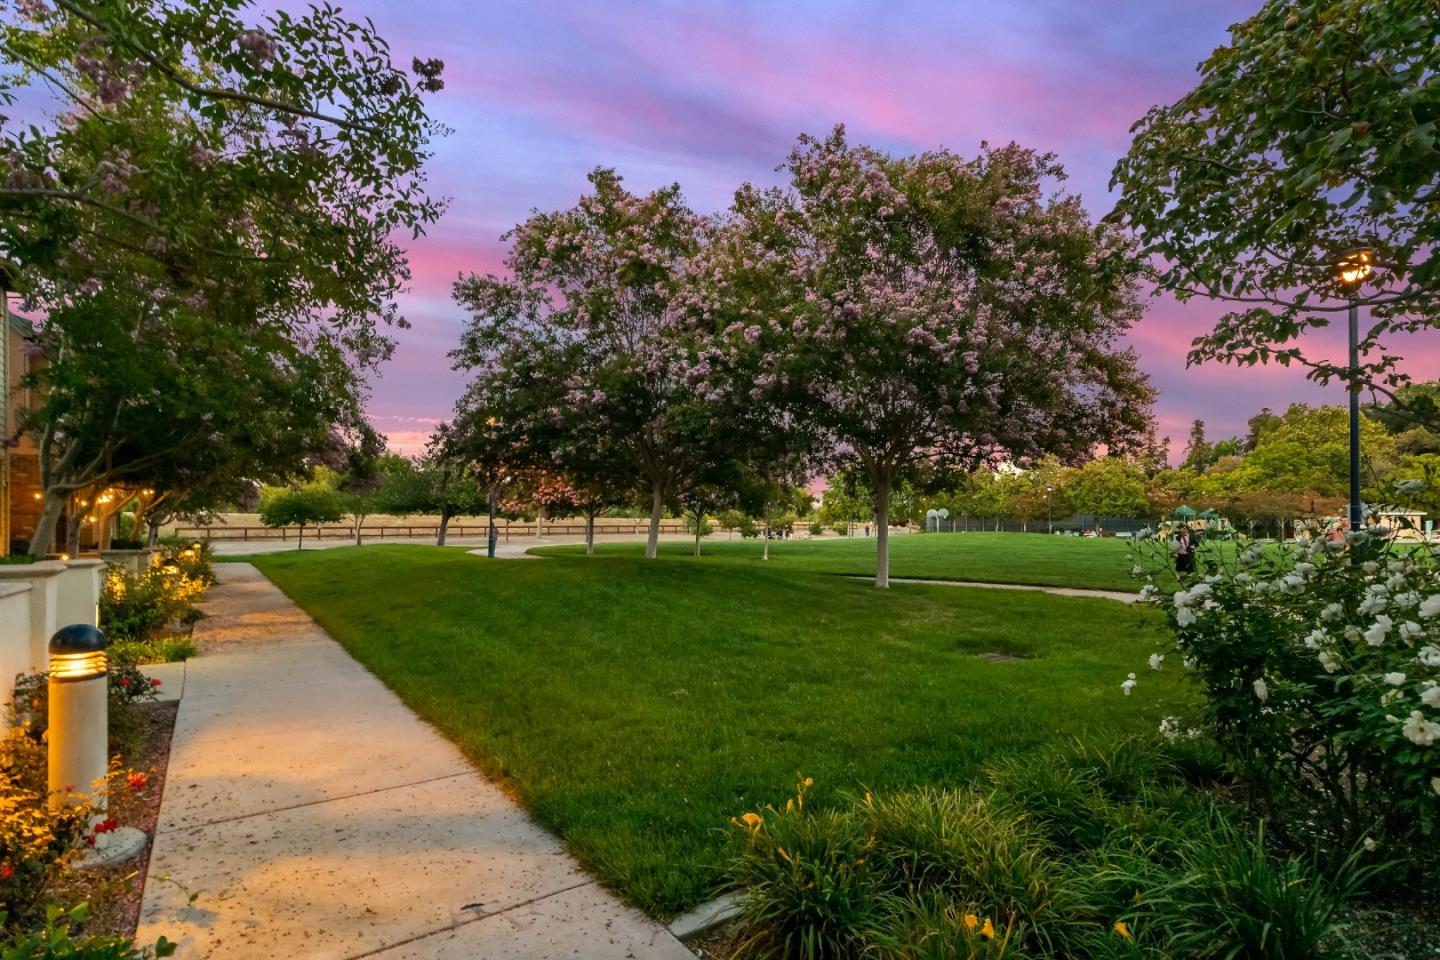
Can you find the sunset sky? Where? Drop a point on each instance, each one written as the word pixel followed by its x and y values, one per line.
pixel 711 93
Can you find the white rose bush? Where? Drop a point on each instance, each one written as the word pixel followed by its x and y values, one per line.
pixel 1320 678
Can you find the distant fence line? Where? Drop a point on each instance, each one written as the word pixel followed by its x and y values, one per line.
pixel 402 531
pixel 1075 524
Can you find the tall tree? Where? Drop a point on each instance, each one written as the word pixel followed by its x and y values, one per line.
pixel 930 311
pixel 1198 452
pixel 1312 132
pixel 214 195
pixel 592 287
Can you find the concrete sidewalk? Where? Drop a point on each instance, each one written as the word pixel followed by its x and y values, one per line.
pixel 316 816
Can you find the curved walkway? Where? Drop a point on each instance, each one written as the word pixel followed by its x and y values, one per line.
pixel 1119 595
pixel 314 815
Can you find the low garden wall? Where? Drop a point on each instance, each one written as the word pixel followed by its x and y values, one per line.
pixel 36 599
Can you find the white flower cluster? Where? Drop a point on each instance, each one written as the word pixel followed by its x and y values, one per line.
pixel 1375 629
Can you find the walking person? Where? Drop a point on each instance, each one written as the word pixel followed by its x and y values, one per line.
pixel 1184 553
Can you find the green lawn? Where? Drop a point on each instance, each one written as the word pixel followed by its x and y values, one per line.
pixel 636 706
pixel 983 557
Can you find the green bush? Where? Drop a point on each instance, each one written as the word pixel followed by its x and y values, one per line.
pixel 35 842
pixel 1073 853
pixel 1320 680
pixel 138 607
pixel 157 650
pixel 54 941
pixel 816 528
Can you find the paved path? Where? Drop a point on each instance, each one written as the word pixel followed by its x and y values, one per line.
pixel 317 817
pixel 1120 595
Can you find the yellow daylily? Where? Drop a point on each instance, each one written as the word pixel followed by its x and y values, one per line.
pixel 1122 928
pixel 971 921
pixel 988 931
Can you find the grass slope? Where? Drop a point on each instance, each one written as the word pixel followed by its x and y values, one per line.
pixel 982 557
pixel 635 707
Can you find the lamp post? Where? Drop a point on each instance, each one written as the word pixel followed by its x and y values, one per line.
pixel 79 723
pixel 1353 268
pixel 1049 517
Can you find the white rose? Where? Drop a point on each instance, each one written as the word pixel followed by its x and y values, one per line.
pixel 1430 693
pixel 1420 731
pixel 1328 661
pixel 1375 636
pixel 1185 617
pixel 1429 655
pixel 1430 606
pixel 1394 679
pixel 1333 611
pixel 1261 690
pixel 1155 660
pixel 1410 631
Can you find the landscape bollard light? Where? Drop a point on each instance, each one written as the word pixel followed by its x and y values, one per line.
pixel 79 720
pixel 170 567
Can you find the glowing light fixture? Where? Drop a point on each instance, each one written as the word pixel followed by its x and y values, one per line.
pixel 1354 267
pixel 78 715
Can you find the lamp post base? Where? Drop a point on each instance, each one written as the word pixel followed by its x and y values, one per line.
pixel 111 848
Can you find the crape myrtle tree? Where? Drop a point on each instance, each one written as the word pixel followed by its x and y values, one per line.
pixel 213 195
pixel 929 311
pixel 591 290
pixel 1311 133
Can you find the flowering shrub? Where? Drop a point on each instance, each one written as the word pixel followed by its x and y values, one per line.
pixel 35 842
pixel 139 606
pixel 1321 678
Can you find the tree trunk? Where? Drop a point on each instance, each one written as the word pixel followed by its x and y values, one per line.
pixel 72 536
pixel 766 554
pixel 539 522
pixel 359 522
pixel 699 519
pixel 45 527
pixel 657 506
pixel 153 537
pixel 882 534
pixel 300 544
pixel 590 533
pixel 444 528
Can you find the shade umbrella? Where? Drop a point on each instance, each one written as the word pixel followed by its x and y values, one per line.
pixel 1209 514
pixel 1183 512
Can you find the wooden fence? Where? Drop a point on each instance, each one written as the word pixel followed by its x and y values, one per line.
pixel 406 531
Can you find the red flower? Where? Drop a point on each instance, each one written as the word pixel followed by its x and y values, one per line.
pixel 154 683
pixel 124 681
pixel 6 871
pixel 108 825
pixel 136 782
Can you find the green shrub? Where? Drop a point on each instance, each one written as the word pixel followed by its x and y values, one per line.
pixel 1236 891
pixel 158 650
pixel 136 607
pixel 812 893
pixel 816 528
pixel 35 842
pixel 1320 681
pixel 54 941
pixel 1075 852
pixel 748 528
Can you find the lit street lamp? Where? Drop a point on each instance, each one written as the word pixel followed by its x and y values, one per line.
pixel 1353 268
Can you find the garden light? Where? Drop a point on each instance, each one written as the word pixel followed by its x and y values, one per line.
pixel 78 714
pixel 1354 267
pixel 170 567
pixel 1352 270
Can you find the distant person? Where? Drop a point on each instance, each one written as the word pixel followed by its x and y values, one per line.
pixel 1184 552
pixel 867 529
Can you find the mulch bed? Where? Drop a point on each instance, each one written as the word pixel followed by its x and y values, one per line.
pixel 114 893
